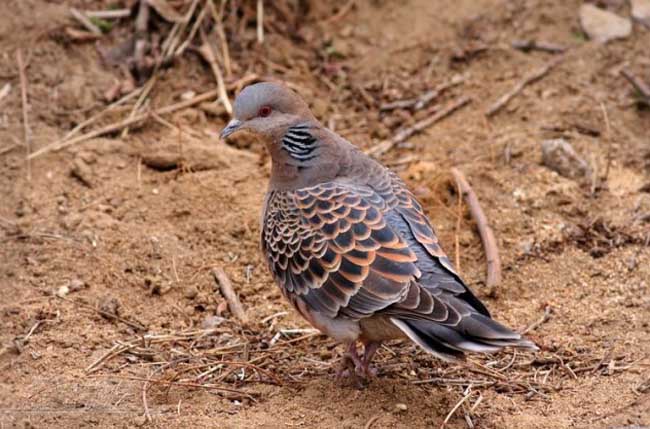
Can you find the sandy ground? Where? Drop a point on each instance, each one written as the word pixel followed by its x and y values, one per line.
pixel 134 241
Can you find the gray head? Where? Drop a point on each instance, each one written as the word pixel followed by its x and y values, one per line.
pixel 303 153
pixel 267 109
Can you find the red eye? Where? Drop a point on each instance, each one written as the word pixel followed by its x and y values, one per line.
pixel 264 111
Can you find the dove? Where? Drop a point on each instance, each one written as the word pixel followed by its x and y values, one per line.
pixel 351 247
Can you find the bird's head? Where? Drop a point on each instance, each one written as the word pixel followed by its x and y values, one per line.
pixel 303 153
pixel 268 110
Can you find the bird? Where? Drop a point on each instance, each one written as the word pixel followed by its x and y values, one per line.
pixel 350 246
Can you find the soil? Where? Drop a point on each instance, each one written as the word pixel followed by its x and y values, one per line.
pixel 108 236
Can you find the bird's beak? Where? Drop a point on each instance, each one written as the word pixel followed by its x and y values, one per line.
pixel 232 126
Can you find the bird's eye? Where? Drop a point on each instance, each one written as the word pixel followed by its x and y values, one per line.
pixel 264 111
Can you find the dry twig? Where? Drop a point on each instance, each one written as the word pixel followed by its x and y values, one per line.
pixel 94 118
pixel 531 78
pixel 228 292
pixel 87 23
pixel 341 13
pixel 218 23
pixel 23 94
pixel 260 21
pixel 534 45
pixel 108 14
pixel 642 88
pixel 545 318
pixel 424 99
pixel 493 277
pixel 371 421
pixel 418 127
pixel 135 325
pixel 208 55
pixel 58 145
pixel 458 404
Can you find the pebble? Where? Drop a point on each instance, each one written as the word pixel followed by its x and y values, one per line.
pixel 559 156
pixel 191 292
pixel 603 26
pixel 62 291
pixel 82 172
pixel 110 306
pixel 641 11
pixel 188 95
pixel 399 407
pixel 212 322
pixel 73 286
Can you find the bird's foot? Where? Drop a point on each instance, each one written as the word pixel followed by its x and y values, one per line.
pixel 353 368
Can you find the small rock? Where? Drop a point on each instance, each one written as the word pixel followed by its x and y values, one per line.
pixel 73 286
pixel 559 156
pixel 631 263
pixel 188 95
pixel 526 246
pixel 109 306
pixel 641 11
pixel 156 285
pixel 603 26
pixel 62 291
pixel 399 407
pixel 82 172
pixel 191 292
pixel 76 285
pixel 212 322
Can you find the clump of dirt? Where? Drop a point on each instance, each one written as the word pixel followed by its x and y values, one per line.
pixel 111 315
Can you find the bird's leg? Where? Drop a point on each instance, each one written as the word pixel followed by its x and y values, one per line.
pixel 364 368
pixel 350 363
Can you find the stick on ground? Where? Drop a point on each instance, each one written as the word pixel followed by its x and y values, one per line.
pixel 260 21
pixel 208 55
pixel 638 84
pixel 485 231
pixel 533 77
pixel 116 126
pixel 418 127
pixel 85 21
pixel 534 45
pixel 225 286
pixel 423 99
pixel 23 95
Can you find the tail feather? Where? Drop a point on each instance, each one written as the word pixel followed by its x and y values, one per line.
pixel 475 333
pixel 429 344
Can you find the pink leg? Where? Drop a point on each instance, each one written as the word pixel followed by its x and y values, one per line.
pixel 350 364
pixel 368 352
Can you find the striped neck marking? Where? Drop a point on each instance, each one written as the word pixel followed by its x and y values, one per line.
pixel 299 143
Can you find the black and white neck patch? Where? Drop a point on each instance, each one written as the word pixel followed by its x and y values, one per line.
pixel 299 143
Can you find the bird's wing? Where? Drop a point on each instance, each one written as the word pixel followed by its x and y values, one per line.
pixel 407 217
pixel 331 247
pixel 345 250
pixel 463 323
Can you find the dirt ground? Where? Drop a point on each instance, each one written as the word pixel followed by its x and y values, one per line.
pixel 103 254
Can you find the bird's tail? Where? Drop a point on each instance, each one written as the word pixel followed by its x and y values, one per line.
pixel 474 333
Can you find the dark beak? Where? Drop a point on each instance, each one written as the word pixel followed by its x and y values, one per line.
pixel 232 126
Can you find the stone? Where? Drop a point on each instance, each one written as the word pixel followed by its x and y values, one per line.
pixel 212 322
pixel 603 26
pixel 82 172
pixel 641 11
pixel 559 156
pixel 191 292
